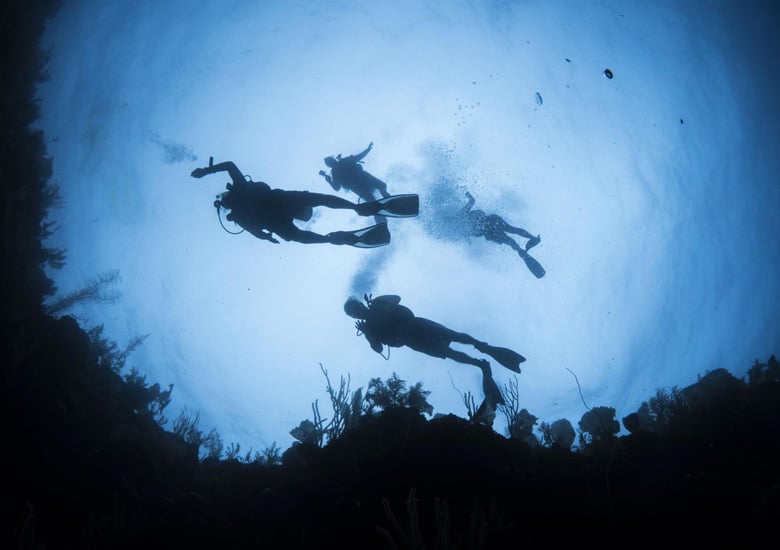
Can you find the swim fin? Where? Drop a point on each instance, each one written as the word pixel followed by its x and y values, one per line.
pixel 534 266
pixel 368 237
pixel 532 242
pixel 490 389
pixel 394 206
pixel 505 356
pixel 371 237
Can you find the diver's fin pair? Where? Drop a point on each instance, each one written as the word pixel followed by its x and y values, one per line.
pixel 368 237
pixel 394 206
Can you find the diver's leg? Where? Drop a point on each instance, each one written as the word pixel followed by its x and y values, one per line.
pixel 367 195
pixel 462 338
pixel 429 331
pixel 534 266
pixel 382 188
pixel 502 238
pixel 508 358
pixel 465 358
pixel 290 232
pixel 489 387
pixel 368 208
pixel 434 339
pixel 310 199
pixel 498 225
pixel 369 184
pixel 532 241
pixel 517 231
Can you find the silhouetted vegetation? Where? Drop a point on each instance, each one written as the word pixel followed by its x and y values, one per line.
pixel 96 290
pixel 90 464
pixel 350 408
pixel 520 423
pixel 392 393
pixel 598 425
pixel 558 434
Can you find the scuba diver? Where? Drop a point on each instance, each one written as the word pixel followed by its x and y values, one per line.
pixel 494 228
pixel 383 321
pixel 264 211
pixel 347 173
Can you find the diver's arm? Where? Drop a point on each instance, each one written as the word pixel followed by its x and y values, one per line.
pixel 376 344
pixel 329 179
pixel 263 234
pixel 229 167
pixel 470 203
pixel 253 228
pixel 360 156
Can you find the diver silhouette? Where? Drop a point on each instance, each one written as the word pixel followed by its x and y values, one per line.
pixel 494 228
pixel 384 321
pixel 348 173
pixel 263 211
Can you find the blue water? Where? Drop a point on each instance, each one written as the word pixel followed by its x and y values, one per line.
pixel 655 192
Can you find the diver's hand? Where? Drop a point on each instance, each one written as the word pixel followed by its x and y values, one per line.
pixel 322 173
pixel 200 172
pixel 370 145
pixel 269 237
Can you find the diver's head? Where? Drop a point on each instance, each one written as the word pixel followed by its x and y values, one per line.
pixel 330 162
pixel 355 308
pixel 227 200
